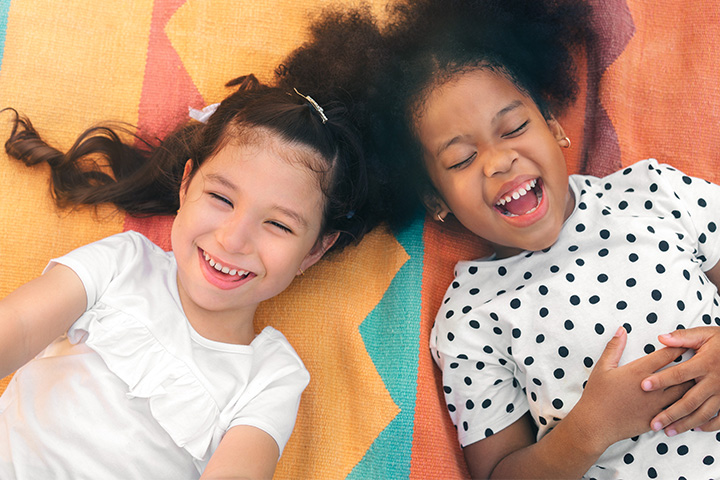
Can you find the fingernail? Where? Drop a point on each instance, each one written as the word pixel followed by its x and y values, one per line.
pixel 646 385
pixel 665 336
pixel 657 426
pixel 671 433
pixel 619 332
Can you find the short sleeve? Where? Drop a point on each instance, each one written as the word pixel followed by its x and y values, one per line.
pixel 99 263
pixel 697 208
pixel 277 388
pixel 482 393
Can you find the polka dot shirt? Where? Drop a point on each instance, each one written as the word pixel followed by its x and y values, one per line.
pixel 523 333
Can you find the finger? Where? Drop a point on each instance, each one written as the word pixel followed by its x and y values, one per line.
pixel 711 426
pixel 693 398
pixel 688 338
pixel 675 375
pixel 659 358
pixel 701 416
pixel 610 357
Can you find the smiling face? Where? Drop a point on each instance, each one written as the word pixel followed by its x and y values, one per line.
pixel 249 220
pixel 495 161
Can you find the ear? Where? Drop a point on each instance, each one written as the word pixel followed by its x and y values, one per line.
pixel 558 132
pixel 185 180
pixel 317 252
pixel 435 205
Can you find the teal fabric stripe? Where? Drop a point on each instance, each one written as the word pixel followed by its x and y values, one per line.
pixel 4 10
pixel 391 334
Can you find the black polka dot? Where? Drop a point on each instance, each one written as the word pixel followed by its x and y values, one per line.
pixel 515 303
pixel 594 299
pixel 663 246
pixel 602 278
pixel 488 349
pixel 649 348
pixel 516 333
pixel 570 277
pixel 630 282
pixel 466 309
pixel 656 295
pixel 603 252
pixel 455 285
pixel 543 290
pixel 569 325
pixel 468 381
pixel 588 362
pixel 604 234
pixel 575 300
pixel 621 305
pixel 540 338
pixel 480 365
pixel 599 329
pixel 449 314
pixel 474 324
pixel 447 389
pixel 502 271
pixel 497 330
pixel 628 459
pixel 557 403
pixel 559 373
pixel 662 448
pixel 580 228
pixel 451 407
pixel 472 270
pixel 683 450
pixel 469 404
pixel 630 238
pixel 488 432
pixel 529 361
pixel 563 352
pixel 709 460
pixel 633 257
pixel 651 317
pixel 544 312
pixel 652 473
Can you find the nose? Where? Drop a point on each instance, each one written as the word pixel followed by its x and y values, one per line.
pixel 235 235
pixel 496 161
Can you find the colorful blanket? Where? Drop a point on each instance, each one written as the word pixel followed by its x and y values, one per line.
pixel 360 320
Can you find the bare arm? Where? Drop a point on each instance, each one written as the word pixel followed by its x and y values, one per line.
pixel 612 408
pixel 36 313
pixel 244 453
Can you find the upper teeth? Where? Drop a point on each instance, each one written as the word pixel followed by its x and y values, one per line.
pixel 221 268
pixel 523 190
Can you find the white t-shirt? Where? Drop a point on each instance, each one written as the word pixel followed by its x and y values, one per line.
pixel 132 390
pixel 523 333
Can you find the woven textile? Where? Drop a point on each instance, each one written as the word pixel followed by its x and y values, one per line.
pixel 360 320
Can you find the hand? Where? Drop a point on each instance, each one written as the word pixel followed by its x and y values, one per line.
pixel 613 407
pixel 698 408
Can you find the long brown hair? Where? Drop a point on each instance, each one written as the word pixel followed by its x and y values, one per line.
pixel 113 164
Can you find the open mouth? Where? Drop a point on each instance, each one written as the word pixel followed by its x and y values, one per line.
pixel 233 274
pixel 523 200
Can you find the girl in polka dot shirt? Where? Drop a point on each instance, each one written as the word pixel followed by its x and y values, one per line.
pixel 599 306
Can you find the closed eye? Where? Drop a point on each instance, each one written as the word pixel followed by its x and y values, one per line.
pixel 280 226
pixel 464 163
pixel 221 198
pixel 517 131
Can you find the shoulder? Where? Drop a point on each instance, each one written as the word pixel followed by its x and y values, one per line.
pixel 275 352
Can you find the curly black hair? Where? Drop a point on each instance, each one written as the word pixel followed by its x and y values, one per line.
pixel 388 70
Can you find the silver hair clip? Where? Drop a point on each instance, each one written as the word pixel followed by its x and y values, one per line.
pixel 314 104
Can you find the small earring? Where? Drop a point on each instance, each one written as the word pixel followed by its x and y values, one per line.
pixel 442 220
pixel 301 271
pixel 565 142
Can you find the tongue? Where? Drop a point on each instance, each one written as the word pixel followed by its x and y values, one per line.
pixel 523 204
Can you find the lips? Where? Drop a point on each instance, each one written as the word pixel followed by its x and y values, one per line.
pixel 224 277
pixel 521 200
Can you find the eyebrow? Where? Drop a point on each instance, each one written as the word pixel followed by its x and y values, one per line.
pixel 504 111
pixel 214 177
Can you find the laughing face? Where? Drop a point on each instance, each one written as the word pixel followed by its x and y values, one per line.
pixel 495 162
pixel 249 221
